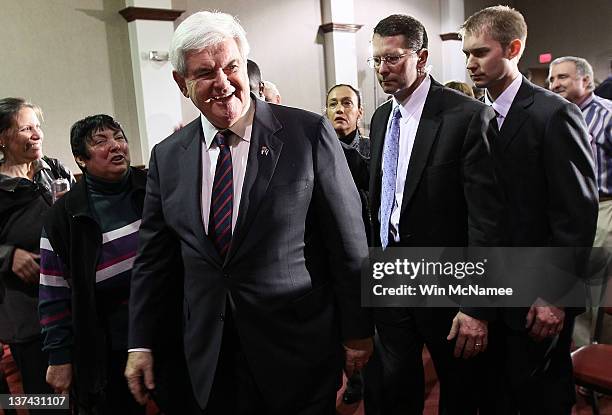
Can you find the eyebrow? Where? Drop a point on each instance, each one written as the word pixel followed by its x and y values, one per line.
pixel 480 49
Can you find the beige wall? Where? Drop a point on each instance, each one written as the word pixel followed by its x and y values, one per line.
pixel 72 59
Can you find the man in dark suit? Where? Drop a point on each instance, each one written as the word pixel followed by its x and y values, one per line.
pixel 262 203
pixel 432 183
pixel 547 174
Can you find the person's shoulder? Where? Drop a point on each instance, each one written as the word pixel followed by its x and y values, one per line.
pixel 452 98
pixel 604 103
pixel 545 99
pixel 58 169
pixel 181 135
pixel 291 114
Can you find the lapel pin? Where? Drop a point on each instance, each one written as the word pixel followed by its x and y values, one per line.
pixel 264 150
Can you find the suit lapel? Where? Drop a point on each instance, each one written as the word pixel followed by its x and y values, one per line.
pixel 264 152
pixel 423 141
pixel 191 186
pixel 516 116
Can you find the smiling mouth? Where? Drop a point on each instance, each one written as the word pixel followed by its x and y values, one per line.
pixel 222 98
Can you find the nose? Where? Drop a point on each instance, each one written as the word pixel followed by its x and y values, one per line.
pixel 37 133
pixel 383 68
pixel 554 84
pixel 114 145
pixel 470 63
pixel 221 81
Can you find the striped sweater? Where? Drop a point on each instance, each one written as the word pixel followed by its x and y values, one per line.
pixel 118 222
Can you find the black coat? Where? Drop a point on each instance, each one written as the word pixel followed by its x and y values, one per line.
pixel 23 206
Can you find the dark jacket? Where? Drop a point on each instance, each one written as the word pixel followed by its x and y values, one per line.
pixel 23 204
pixel 76 238
pixel 291 277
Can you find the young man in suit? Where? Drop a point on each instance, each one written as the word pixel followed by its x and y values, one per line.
pixel 261 202
pixel 547 175
pixel 432 183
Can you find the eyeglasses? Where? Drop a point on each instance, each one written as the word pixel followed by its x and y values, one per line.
pixel 375 61
pixel 346 104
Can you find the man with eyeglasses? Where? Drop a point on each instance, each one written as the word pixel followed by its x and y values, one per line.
pixel 431 184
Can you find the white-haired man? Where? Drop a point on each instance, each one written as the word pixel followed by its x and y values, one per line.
pixel 271 93
pixel 262 204
pixel 572 78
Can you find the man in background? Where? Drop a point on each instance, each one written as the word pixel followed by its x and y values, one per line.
pixel 572 78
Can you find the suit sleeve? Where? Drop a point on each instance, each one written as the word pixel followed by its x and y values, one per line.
pixel 572 201
pixel 154 266
pixel 570 175
pixel 481 188
pixel 482 192
pixel 339 209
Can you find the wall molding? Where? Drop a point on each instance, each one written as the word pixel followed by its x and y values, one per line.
pixel 340 27
pixel 145 13
pixel 450 36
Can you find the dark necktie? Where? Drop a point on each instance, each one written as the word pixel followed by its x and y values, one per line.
pixel 222 197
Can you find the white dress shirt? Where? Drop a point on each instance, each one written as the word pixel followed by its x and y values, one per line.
pixel 411 110
pixel 239 143
pixel 503 102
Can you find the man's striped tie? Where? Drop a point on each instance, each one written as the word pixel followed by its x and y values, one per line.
pixel 222 197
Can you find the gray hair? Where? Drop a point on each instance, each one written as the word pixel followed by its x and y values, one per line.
pixel 204 29
pixel 583 68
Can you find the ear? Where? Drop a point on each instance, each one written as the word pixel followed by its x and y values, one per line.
pixel 180 81
pixel 359 114
pixel 514 49
pixel 80 161
pixel 423 54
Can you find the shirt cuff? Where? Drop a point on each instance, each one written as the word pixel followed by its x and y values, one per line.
pixel 139 349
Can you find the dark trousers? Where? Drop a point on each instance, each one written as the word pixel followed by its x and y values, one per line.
pixel 235 392
pixel 117 398
pixel 32 363
pixel 528 377
pixel 394 377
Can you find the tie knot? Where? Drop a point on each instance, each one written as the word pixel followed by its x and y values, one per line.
pixel 397 114
pixel 221 138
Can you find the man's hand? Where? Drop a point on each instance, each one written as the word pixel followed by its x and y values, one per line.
pixel 139 375
pixel 357 353
pixel 545 320
pixel 471 333
pixel 59 377
pixel 25 266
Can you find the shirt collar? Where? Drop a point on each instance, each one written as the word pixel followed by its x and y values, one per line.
pixel 241 128
pixel 10 183
pixel 503 102
pixel 415 101
pixel 587 101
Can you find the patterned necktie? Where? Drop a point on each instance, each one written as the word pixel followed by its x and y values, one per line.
pixel 222 197
pixel 387 194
